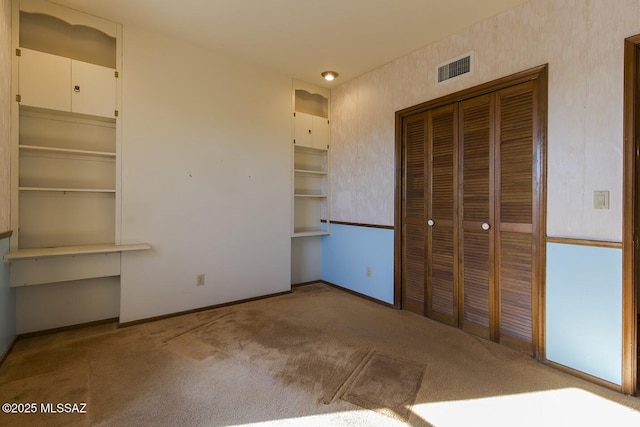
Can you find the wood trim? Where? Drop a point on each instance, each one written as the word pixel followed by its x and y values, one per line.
pixel 359 224
pixel 297 285
pixel 512 227
pixel 198 310
pixel 495 204
pixel 583 375
pixel 539 247
pixel 584 242
pixel 397 214
pixel 358 294
pixel 477 330
pixel 4 355
pixel 518 344
pixel 493 86
pixel 630 213
pixel 5 234
pixel 66 328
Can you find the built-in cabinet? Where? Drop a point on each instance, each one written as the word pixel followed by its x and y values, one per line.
pixel 66 146
pixel 311 141
pixel 67 85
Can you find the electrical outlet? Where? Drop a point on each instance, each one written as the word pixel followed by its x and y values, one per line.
pixel 200 279
pixel 368 271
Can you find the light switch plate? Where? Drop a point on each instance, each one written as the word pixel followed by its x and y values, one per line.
pixel 600 200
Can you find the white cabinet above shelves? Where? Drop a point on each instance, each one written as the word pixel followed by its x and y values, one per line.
pixel 66 85
pixel 311 131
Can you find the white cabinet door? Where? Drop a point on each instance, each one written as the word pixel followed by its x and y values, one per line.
pixel 93 89
pixel 320 131
pixel 59 83
pixel 44 80
pixel 303 129
pixel 311 131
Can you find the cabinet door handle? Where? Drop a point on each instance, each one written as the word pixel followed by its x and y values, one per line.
pixel 309 131
pixel 485 226
pixel 430 223
pixel 76 88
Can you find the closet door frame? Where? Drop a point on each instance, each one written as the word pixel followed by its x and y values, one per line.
pixel 539 174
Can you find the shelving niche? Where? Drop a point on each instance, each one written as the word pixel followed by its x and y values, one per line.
pixel 311 201
pixel 66 139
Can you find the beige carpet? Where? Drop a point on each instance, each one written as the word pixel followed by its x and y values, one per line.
pixel 318 356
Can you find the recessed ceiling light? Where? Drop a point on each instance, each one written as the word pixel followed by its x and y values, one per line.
pixel 329 75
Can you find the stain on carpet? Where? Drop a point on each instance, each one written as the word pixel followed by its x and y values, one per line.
pixel 386 384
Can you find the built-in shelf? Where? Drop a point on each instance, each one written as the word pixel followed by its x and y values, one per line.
pixel 316 196
pixel 310 150
pixel 302 172
pixel 69 190
pixel 36 253
pixel 310 232
pixel 36 148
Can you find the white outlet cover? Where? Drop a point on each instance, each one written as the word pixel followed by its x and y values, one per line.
pixel 601 200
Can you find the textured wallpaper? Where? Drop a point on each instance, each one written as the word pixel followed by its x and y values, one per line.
pixel 581 40
pixel 5 113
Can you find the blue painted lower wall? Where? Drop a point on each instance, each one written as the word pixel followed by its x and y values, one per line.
pixel 7 303
pixel 349 250
pixel 584 309
pixel 583 293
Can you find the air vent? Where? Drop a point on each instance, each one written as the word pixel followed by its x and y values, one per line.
pixel 455 68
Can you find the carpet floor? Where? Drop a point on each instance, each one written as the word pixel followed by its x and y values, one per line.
pixel 317 356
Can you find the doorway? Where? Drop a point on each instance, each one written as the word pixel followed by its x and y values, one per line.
pixel 470 210
pixel 631 219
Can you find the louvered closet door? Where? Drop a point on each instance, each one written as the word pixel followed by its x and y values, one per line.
pixel 441 225
pixel 476 213
pixel 413 207
pixel 515 215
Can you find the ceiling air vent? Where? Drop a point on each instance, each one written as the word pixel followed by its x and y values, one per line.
pixel 455 68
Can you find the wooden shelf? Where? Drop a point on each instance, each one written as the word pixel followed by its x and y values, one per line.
pixel 37 148
pixel 68 190
pixel 34 253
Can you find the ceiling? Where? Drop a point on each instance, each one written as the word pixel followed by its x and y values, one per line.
pixel 302 38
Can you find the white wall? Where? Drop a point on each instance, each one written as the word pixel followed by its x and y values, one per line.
pixel 582 40
pixel 206 177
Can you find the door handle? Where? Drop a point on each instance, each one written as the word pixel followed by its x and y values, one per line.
pixel 486 226
pixel 430 223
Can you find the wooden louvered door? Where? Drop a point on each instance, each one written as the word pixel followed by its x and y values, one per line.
pixel 515 216
pixel 477 194
pixel 413 208
pixel 472 237
pixel 441 237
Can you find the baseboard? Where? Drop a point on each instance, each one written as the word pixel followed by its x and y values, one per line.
pixel 197 310
pixel 584 376
pixel 8 351
pixel 358 294
pixel 67 328
pixel 297 285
